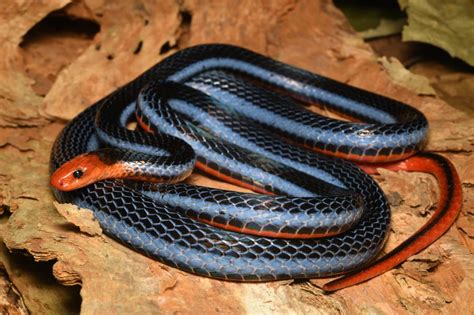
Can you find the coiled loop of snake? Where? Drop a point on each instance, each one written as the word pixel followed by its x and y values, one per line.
pixel 217 114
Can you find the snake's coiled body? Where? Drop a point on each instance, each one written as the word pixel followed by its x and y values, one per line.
pixel 156 219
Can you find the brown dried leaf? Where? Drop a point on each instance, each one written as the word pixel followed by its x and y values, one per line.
pixel 451 126
pixel 448 25
pixel 400 75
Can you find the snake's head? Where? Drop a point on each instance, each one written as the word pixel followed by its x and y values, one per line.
pixel 79 172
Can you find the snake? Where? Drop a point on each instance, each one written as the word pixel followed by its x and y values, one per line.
pixel 243 117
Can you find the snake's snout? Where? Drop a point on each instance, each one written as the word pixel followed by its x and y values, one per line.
pixel 61 185
pixel 60 181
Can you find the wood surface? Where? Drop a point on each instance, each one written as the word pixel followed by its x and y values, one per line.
pixel 50 72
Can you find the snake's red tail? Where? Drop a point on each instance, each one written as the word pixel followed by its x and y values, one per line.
pixel 449 206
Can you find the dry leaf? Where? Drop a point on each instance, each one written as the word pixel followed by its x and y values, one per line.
pixel 400 75
pixel 446 24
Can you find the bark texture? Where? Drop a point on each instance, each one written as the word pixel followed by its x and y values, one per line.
pixel 50 72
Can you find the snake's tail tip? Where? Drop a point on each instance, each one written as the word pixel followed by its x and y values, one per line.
pixel 354 278
pixel 333 286
pixel 326 289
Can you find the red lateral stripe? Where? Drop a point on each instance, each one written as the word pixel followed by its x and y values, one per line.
pixel 203 167
pixel 144 126
pixel 362 158
pixel 244 230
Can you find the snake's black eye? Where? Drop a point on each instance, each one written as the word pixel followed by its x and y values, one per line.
pixel 78 174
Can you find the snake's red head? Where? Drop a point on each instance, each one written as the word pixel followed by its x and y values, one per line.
pixel 81 171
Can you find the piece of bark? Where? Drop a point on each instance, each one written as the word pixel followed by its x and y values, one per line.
pixel 310 34
pixel 82 218
pixel 18 102
pixel 10 299
pixel 133 37
pixel 38 290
